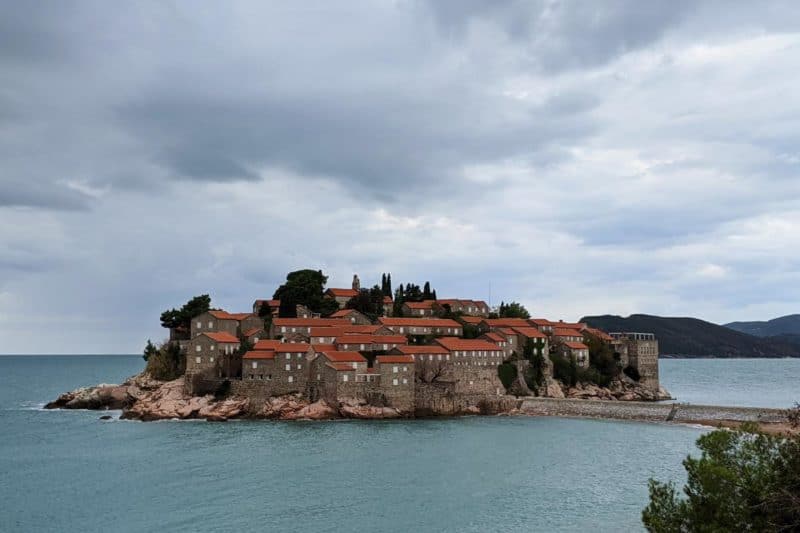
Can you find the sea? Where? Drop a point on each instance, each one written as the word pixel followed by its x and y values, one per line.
pixel 66 471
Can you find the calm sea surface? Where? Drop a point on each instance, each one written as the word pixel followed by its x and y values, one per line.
pixel 69 471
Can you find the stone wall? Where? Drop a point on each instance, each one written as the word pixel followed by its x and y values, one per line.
pixel 648 411
pixel 440 399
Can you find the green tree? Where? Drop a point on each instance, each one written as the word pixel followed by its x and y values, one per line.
pixel 743 480
pixel 513 310
pixel 601 357
pixel 507 372
pixel 149 350
pixel 426 291
pixel 181 318
pixel 304 287
pixel 532 352
pixel 166 362
pixel 368 302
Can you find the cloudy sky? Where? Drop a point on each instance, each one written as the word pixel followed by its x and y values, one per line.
pixel 579 157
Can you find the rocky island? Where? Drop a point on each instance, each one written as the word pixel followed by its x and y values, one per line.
pixel 312 352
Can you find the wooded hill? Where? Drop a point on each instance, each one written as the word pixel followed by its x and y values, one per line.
pixel 692 337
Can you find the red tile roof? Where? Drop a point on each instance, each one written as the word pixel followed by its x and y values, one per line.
pixel 474 320
pixel 389 359
pixel 530 332
pixel 455 343
pixel 506 322
pixel 566 332
pixel 319 348
pixel 259 354
pixel 221 336
pixel 495 337
pixel 425 322
pixel 425 304
pixel 576 345
pixel 343 357
pixel 417 349
pixel 342 312
pixel 367 339
pixel 267 344
pixel 387 300
pixel 342 293
pixel 309 322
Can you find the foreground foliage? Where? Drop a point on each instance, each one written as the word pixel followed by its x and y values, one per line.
pixel 743 480
pixel 164 362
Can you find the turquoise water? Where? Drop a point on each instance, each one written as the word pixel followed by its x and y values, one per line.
pixel 742 382
pixel 69 471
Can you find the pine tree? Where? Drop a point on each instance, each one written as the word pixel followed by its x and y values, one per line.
pixel 388 291
pixel 426 291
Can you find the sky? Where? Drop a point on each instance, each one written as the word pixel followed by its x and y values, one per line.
pixel 578 157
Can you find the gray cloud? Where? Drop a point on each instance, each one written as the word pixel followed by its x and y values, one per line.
pixel 579 157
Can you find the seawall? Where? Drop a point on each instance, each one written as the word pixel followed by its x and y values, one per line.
pixel 657 412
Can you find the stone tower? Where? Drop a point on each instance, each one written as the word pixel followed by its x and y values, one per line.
pixel 356 283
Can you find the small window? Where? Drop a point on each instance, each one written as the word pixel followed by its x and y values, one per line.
pixel 210 325
pixel 299 366
pixel 199 325
pixel 291 379
pixel 405 381
pixel 211 347
pixel 283 329
pixel 198 360
pixel 345 377
pixel 288 356
pixel 288 366
pixel 394 369
pixel 211 359
pixel 255 364
pixel 405 369
pixel 394 381
pixel 198 348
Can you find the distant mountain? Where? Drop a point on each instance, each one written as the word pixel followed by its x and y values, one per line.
pixel 785 325
pixel 692 337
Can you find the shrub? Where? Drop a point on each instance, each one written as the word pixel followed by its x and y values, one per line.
pixel 166 362
pixel 565 370
pixel 507 373
pixel 744 480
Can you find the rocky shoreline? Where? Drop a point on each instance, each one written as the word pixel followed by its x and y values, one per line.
pixel 146 399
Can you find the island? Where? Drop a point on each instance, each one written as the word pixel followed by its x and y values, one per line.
pixel 312 352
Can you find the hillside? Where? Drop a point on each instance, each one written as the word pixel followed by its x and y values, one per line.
pixel 692 337
pixel 785 325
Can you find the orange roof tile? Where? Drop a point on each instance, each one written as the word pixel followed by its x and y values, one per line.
pixel 342 367
pixel 252 331
pixel 496 337
pixel 425 322
pixel 425 304
pixel 221 336
pixel 576 345
pixel 342 312
pixel 474 320
pixel 342 293
pixel 289 347
pixel 599 333
pixel 506 322
pixel 566 332
pixel 309 322
pixel 267 344
pixel 344 357
pixel 455 343
pixel 530 332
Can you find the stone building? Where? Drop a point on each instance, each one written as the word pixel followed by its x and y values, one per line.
pixel 253 335
pixel 642 355
pixel 577 351
pixel 212 355
pixel 258 365
pixel 341 296
pixel 541 342
pixel 421 309
pixel 290 372
pixel 397 380
pixel 369 343
pixel 422 326
pixel 388 306
pixel 274 306
pixel 285 326
pixel 355 317
pixel 477 308
pixel 567 335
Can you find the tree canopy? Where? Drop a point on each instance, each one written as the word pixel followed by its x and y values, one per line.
pixel 368 302
pixel 305 287
pixel 513 310
pixel 743 480
pixel 181 318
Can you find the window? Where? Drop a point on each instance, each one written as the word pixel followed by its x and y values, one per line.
pixel 198 360
pixel 439 357
pixel 291 379
pixel 255 364
pixel 345 377
pixel 283 329
pixel 198 348
pixel 430 357
pixel 210 359
pixel 211 347
pixel 394 381
pixel 405 381
pixel 447 356
pixel 362 348
pixel 288 366
pixel 299 356
pixel 210 325
pixel 199 325
pixel 299 366
pixel 394 370
pixel 288 356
